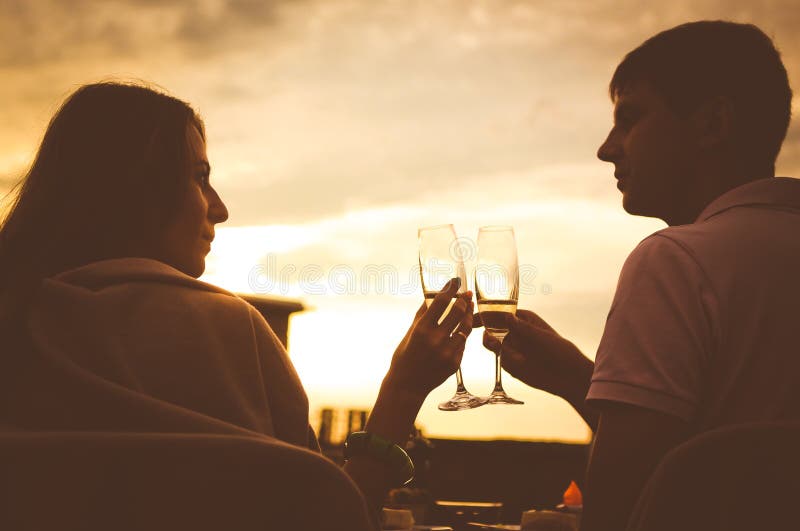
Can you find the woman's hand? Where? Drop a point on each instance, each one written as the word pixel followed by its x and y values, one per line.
pixel 431 351
pixel 536 354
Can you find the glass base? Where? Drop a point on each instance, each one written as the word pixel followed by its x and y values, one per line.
pixel 463 400
pixel 500 397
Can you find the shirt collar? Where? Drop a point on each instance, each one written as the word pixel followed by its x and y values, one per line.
pixel 773 191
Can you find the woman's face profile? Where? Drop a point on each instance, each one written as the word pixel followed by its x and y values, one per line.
pixel 186 240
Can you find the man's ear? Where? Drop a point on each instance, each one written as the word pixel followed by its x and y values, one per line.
pixel 712 122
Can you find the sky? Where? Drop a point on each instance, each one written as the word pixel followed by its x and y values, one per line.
pixel 336 128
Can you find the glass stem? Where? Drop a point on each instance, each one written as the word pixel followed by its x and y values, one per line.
pixel 498 384
pixel 460 382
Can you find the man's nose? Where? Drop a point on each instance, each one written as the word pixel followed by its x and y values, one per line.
pixel 609 150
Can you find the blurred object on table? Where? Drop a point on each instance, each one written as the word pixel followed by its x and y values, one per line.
pixel 572 496
pixel 521 475
pixel 545 520
pixel 396 519
pixel 416 500
pixel 492 527
pixel 572 502
pixel 459 513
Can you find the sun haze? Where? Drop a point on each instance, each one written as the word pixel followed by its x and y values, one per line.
pixel 336 128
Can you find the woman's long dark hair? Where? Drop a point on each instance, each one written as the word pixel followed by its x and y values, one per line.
pixel 105 178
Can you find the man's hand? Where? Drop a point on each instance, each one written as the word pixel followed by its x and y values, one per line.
pixel 536 354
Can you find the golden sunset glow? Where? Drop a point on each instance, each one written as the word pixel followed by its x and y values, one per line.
pixel 336 128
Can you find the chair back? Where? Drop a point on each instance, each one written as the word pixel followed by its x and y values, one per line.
pixel 741 477
pixel 160 482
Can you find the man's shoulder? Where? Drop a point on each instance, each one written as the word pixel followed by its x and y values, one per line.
pixel 672 242
pixel 691 235
pixel 663 257
pixel 689 241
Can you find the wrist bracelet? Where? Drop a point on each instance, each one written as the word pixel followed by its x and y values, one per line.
pixel 376 447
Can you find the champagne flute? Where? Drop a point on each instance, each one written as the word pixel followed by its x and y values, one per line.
pixel 439 261
pixel 497 291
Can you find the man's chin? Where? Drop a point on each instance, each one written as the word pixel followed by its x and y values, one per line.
pixel 636 207
pixel 629 204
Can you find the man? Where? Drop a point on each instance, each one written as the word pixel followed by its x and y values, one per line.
pixel 701 332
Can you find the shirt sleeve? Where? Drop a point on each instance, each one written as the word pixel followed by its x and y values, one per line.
pixel 657 338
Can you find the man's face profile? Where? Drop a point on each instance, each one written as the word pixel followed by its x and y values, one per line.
pixel 650 148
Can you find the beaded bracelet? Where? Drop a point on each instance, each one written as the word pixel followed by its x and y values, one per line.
pixel 369 444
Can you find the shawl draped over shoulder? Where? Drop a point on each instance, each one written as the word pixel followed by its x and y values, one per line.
pixel 134 345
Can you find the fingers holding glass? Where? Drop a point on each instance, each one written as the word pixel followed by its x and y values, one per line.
pixel 438 264
pixel 497 290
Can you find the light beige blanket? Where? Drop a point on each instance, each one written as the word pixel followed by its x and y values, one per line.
pixel 133 345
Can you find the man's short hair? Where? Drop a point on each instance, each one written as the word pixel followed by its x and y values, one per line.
pixel 695 62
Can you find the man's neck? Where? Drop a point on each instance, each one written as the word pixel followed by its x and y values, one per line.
pixel 708 187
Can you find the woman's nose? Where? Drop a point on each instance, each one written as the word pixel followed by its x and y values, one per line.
pixel 217 211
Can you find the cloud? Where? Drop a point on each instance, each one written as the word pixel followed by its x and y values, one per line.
pixel 43 32
pixel 318 107
pixel 299 201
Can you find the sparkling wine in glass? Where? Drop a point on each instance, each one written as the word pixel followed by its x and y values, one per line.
pixel 497 291
pixel 439 261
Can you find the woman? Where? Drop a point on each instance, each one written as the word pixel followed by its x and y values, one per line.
pixel 99 257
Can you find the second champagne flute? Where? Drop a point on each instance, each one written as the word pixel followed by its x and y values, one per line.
pixel 439 261
pixel 497 291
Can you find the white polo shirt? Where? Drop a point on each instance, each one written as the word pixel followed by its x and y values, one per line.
pixel 705 323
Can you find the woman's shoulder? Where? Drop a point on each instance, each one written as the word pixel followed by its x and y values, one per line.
pixel 134 270
pixel 137 279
